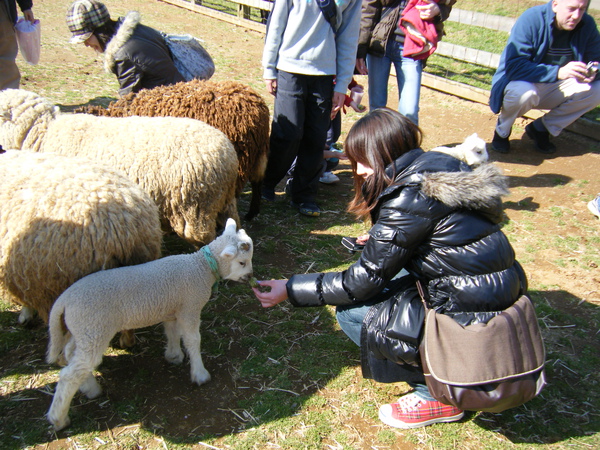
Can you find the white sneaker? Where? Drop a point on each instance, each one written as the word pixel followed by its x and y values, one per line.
pixel 593 206
pixel 329 178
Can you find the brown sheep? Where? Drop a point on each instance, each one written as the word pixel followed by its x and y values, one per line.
pixel 232 107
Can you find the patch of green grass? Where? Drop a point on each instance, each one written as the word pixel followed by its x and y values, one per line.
pixel 478 38
pixel 461 72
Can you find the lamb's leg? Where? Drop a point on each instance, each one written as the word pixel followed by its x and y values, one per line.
pixel 68 352
pixel 27 314
pixel 71 378
pixel 190 331
pixel 173 352
pixel 127 339
pixel 90 387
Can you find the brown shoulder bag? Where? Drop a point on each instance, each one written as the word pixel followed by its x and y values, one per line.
pixel 489 366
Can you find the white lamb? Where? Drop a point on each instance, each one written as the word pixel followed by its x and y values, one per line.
pixel 189 168
pixel 472 151
pixel 172 290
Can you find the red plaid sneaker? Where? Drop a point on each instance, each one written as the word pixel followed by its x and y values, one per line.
pixel 412 411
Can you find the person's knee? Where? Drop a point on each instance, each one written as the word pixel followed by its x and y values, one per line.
pixel 521 98
pixel 595 92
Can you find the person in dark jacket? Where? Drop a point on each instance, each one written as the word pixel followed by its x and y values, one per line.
pixel 435 221
pixel 137 54
pixel 381 44
pixel 10 76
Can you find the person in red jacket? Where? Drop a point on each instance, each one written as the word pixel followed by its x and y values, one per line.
pixel 10 77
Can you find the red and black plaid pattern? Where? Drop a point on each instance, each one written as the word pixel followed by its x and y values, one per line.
pixel 426 411
pixel 84 16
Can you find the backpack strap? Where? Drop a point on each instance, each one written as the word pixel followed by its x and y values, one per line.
pixel 329 11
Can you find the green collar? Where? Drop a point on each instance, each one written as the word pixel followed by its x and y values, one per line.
pixel 212 262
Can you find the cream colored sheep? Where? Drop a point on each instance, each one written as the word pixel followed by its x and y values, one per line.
pixel 232 107
pixel 63 218
pixel 172 290
pixel 188 167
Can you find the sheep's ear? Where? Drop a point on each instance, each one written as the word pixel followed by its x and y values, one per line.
pixel 230 226
pixel 229 252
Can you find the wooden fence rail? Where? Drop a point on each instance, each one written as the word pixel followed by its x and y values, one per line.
pixel 582 126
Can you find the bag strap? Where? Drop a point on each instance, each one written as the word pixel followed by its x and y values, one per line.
pixel 329 11
pixel 422 295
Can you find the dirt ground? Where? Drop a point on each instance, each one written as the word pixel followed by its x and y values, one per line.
pixel 548 199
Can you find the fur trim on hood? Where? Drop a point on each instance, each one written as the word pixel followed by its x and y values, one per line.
pixel 477 189
pixel 131 20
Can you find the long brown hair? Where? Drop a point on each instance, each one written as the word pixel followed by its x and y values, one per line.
pixel 376 141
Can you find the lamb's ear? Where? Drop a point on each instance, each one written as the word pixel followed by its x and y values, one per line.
pixel 230 226
pixel 229 252
pixel 242 235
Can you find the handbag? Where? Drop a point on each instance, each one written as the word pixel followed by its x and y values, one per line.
pixel 190 58
pixel 29 37
pixel 384 28
pixel 487 367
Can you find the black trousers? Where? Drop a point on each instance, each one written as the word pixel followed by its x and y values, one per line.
pixel 299 131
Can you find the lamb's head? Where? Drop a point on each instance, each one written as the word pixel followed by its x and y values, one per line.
pixel 233 252
pixel 23 118
pixel 474 149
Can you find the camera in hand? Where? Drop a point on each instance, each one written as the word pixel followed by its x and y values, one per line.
pixel 592 68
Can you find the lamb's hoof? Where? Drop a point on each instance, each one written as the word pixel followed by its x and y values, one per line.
pixel 201 377
pixel 126 339
pixel 59 424
pixel 176 358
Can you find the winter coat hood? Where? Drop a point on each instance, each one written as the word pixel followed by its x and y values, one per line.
pixel 123 34
pixel 139 56
pixel 457 186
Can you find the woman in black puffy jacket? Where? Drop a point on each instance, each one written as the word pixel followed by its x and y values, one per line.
pixel 137 54
pixel 435 220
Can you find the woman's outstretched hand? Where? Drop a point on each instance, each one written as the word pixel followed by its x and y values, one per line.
pixel 272 297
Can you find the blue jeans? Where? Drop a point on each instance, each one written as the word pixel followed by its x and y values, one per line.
pixel 408 75
pixel 351 318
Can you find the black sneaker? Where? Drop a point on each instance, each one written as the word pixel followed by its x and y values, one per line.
pixel 500 144
pixel 541 139
pixel 310 209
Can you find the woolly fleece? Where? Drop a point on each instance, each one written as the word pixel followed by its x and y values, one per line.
pixel 64 218
pixel 188 167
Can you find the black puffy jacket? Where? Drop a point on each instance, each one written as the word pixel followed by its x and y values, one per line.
pixel 139 57
pixel 439 221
